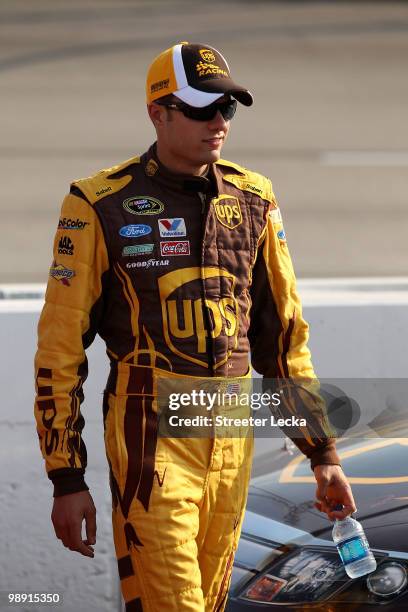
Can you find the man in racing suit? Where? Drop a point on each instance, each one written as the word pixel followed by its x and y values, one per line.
pixel 178 260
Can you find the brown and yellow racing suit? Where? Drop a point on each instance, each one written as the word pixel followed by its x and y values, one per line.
pixel 181 276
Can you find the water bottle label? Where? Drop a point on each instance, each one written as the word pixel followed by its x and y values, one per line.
pixel 353 549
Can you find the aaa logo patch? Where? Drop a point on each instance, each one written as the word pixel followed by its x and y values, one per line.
pixel 228 211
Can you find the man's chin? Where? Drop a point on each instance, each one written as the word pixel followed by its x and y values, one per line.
pixel 212 156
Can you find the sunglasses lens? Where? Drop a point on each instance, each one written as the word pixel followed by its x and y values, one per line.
pixel 229 110
pixel 207 113
pixel 199 114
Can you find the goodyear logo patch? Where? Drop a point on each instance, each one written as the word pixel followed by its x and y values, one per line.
pixel 145 265
pixel 228 211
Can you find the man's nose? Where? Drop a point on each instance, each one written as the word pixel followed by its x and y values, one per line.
pixel 218 121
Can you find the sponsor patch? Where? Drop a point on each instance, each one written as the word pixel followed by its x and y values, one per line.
pixel 103 190
pixel 183 320
pixel 65 246
pixel 228 211
pixel 172 228
pixel 207 55
pixel 137 249
pixel 159 85
pixel 135 231
pixel 233 388
pixel 208 68
pixel 275 215
pixel 251 187
pixel 143 205
pixel 72 224
pixel 175 247
pixel 61 273
pixel 151 167
pixel 281 235
pixel 149 263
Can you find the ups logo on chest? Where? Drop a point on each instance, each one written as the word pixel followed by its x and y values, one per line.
pixel 228 211
pixel 183 312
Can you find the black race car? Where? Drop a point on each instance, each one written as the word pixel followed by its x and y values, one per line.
pixel 286 558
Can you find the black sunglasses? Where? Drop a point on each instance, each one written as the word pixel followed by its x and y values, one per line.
pixel 206 113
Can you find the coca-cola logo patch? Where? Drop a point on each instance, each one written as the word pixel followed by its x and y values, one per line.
pixel 175 247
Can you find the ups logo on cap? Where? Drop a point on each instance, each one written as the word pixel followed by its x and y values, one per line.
pixel 207 55
pixel 228 211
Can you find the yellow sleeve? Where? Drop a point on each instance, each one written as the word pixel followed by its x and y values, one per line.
pixel 278 337
pixel 67 326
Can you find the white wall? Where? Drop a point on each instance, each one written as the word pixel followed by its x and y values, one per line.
pixel 358 329
pixel 32 559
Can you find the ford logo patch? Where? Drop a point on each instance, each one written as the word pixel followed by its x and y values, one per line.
pixel 135 231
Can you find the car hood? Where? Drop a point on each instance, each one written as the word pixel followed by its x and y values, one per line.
pixel 378 474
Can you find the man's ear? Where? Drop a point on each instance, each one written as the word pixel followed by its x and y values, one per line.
pixel 156 114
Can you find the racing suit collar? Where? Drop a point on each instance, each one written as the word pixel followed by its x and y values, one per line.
pixel 179 182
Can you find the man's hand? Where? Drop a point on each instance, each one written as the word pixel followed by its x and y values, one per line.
pixel 67 515
pixel 333 489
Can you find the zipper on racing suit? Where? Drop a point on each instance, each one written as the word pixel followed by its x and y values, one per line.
pixel 205 210
pixel 201 195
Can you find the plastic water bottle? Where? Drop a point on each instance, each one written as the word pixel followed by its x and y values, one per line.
pixel 354 550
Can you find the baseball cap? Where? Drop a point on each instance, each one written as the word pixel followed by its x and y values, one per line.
pixel 196 73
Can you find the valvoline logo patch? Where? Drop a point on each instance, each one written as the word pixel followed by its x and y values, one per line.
pixel 172 227
pixel 135 231
pixel 281 234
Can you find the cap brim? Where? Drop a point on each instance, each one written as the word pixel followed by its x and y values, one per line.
pixel 212 90
pixel 228 86
pixel 242 95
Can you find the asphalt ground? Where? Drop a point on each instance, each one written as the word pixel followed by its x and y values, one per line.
pixel 329 125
